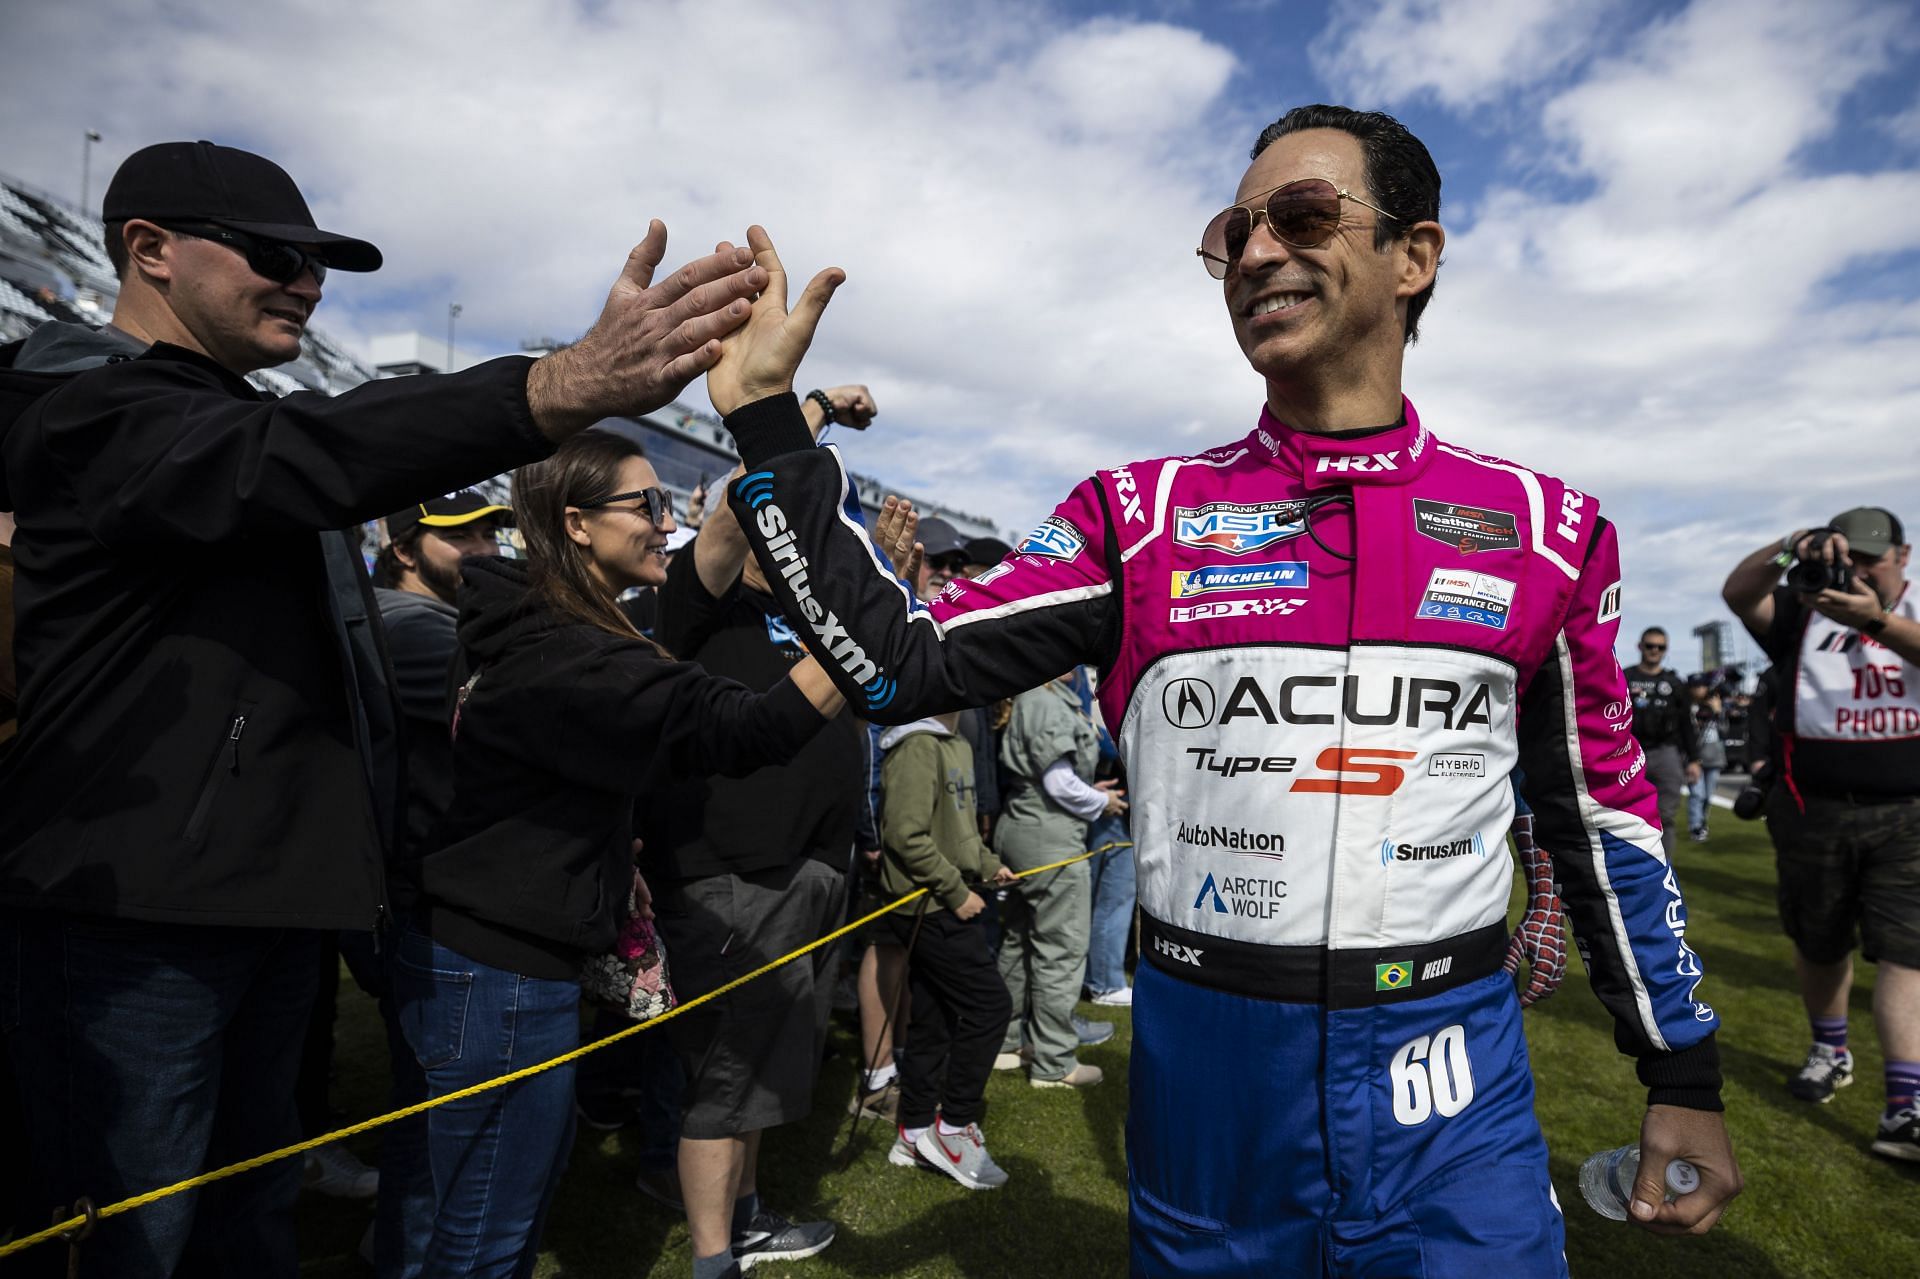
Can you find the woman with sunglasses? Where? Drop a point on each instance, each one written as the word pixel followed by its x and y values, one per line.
pixel 570 718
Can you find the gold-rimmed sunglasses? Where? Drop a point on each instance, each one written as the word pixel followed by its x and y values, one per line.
pixel 1303 213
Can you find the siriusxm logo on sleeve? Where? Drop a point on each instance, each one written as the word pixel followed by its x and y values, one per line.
pixel 1208 578
pixel 876 686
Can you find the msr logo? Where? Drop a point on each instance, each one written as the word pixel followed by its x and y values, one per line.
pixel 1175 951
pixel 1370 462
pixel 1357 772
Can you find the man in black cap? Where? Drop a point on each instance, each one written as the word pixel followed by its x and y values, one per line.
pixel 206 775
pixel 1845 816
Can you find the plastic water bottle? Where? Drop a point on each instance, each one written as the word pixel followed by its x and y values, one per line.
pixel 1606 1180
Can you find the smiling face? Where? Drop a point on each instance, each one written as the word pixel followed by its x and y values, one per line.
pixel 243 320
pixel 624 548
pixel 1340 304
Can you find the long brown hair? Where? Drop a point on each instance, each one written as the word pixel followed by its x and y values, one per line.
pixel 585 468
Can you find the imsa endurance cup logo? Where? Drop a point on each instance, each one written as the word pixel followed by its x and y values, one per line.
pixel 1479 599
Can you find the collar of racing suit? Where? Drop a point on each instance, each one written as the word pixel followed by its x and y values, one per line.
pixel 1387 455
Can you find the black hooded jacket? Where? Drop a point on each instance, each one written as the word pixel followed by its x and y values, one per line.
pixel 201 735
pixel 563 728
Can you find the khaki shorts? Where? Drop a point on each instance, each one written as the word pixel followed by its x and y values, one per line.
pixel 1849 875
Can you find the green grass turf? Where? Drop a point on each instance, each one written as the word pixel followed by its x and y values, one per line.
pixel 1816 1204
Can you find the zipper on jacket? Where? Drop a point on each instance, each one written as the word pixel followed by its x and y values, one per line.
pixel 203 806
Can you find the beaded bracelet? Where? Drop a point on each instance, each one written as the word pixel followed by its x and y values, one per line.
pixel 825 402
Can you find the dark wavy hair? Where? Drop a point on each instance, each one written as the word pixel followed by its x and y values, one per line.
pixel 585 468
pixel 1400 173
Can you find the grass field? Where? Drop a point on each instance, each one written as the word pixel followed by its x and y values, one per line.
pixel 1817 1203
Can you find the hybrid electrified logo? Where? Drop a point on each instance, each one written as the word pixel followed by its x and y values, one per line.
pixel 1188 702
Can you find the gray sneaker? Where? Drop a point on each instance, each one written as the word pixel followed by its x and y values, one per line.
pixel 962 1156
pixel 905 1154
pixel 772 1237
pixel 1091 1032
pixel 1824 1074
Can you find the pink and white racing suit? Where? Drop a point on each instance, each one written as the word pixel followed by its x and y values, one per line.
pixel 1322 657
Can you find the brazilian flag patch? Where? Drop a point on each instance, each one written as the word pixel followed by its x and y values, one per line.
pixel 1391 976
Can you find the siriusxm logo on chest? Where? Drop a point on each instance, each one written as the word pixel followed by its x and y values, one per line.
pixel 876 687
pixel 1209 578
pixel 1479 599
pixel 1055 539
pixel 1235 528
pixel 1391 852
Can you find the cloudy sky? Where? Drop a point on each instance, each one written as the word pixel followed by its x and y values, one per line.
pixel 1683 266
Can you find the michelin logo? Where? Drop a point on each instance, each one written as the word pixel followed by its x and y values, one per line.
pixel 877 687
pixel 1281 575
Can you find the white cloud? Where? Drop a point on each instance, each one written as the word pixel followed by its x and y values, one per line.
pixel 1015 197
pixel 1461 53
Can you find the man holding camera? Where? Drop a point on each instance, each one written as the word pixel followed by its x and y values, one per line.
pixel 1844 631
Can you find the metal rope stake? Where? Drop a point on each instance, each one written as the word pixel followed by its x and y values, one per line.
pixel 886 1024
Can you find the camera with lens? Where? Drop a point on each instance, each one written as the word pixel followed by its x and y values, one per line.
pixel 1811 576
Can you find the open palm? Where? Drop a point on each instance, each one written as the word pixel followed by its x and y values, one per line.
pixel 760 358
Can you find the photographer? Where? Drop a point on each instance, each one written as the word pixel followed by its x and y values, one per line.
pixel 1845 823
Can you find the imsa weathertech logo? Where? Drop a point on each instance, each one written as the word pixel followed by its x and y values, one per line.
pixel 1391 852
pixel 1281 575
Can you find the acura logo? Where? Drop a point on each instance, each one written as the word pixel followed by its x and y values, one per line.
pixel 1188 703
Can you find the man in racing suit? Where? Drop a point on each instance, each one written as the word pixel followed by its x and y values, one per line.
pixel 1324 648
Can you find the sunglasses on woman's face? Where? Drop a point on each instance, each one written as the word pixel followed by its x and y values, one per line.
pixel 1303 214
pixel 655 503
pixel 274 260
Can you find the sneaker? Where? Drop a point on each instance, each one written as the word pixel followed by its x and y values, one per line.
pixel 335 1170
pixel 1121 998
pixel 1081 1076
pixel 1014 1061
pixel 1826 1071
pixel 1899 1134
pixel 882 1103
pixel 1091 1032
pixel 662 1185
pixel 772 1237
pixel 907 1155
pixel 962 1156
pixel 1700 836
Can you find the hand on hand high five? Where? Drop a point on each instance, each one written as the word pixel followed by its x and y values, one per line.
pixel 760 358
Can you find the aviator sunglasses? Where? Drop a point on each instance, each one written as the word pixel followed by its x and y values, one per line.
pixel 1303 214
pixel 655 503
pixel 274 260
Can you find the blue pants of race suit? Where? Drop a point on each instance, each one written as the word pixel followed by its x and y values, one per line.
pixel 1270 1139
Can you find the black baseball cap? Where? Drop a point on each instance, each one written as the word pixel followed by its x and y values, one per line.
pixel 451 511
pixel 940 538
pixel 987 550
pixel 202 182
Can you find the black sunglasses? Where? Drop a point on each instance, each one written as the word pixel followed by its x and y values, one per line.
pixel 274 260
pixel 655 503
pixel 1303 213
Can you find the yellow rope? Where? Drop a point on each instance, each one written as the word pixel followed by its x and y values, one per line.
pixel 367 1125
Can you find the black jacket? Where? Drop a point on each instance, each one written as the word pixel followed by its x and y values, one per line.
pixel 204 734
pixel 774 815
pixel 565 726
pixel 421 643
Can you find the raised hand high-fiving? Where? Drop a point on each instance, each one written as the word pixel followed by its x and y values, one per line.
pixel 761 357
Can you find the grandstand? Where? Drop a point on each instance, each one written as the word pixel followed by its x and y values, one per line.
pixel 53 267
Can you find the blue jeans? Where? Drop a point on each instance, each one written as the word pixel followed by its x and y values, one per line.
pixel 496 1157
pixel 148 1053
pixel 1112 905
pixel 1699 795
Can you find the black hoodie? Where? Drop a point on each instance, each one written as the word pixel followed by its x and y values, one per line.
pixel 195 740
pixel 565 726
